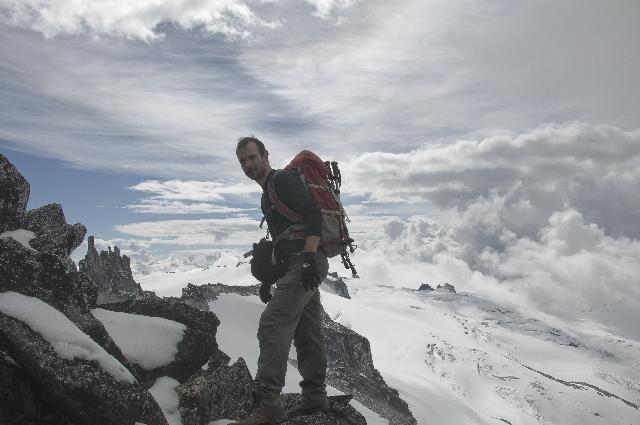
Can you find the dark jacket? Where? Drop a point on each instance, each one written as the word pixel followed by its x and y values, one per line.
pixel 292 192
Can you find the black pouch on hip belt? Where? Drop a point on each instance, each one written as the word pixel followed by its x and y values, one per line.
pixel 264 265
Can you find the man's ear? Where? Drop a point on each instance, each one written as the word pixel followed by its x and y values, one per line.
pixel 266 156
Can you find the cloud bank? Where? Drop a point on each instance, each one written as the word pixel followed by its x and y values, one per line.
pixel 514 182
pixel 546 219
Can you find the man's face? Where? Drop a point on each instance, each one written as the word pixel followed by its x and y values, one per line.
pixel 251 162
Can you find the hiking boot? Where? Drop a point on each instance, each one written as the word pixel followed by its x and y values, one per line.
pixel 268 411
pixel 307 408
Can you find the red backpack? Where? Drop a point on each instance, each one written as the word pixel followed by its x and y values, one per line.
pixel 322 180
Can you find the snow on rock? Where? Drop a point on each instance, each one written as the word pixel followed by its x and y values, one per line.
pixel 63 335
pixel 163 390
pixel 21 235
pixel 151 342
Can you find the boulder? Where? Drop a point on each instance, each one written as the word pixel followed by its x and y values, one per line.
pixel 52 233
pixel 216 393
pixel 79 388
pixel 14 195
pixel 198 344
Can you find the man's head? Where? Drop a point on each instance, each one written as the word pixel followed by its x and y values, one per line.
pixel 253 158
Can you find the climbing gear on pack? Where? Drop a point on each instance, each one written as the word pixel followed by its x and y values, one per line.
pixel 322 180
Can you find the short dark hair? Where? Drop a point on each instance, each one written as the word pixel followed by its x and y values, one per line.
pixel 244 141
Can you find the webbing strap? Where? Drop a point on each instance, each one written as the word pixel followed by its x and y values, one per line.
pixel 331 212
pixel 295 231
pixel 317 186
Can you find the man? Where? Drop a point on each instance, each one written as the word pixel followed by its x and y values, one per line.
pixel 293 312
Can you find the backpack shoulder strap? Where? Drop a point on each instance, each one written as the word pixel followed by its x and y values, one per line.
pixel 279 205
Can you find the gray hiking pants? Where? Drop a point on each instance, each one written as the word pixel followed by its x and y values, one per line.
pixel 293 314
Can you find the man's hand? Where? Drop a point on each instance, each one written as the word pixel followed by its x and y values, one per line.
pixel 310 278
pixel 265 292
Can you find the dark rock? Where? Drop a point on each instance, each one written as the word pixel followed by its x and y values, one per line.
pixel 218 359
pixel 350 369
pixel 335 285
pixel 78 387
pixel 199 296
pixel 112 274
pixel 447 287
pixel 340 412
pixel 22 401
pixel 12 382
pixel 44 276
pixel 425 287
pixel 209 395
pixel 14 195
pixel 198 344
pixel 52 233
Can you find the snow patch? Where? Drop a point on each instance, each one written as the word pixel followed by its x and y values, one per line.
pixel 21 235
pixel 150 342
pixel 63 335
pixel 164 391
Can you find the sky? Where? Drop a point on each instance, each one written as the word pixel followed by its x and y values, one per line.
pixel 496 143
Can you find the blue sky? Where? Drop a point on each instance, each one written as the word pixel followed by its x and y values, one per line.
pixel 489 117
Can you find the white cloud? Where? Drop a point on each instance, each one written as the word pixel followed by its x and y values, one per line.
pixel 139 19
pixel 324 7
pixel 514 182
pixel 159 206
pixel 194 190
pixel 222 231
pixel 190 197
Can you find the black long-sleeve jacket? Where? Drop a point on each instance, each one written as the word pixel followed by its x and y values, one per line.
pixel 292 192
